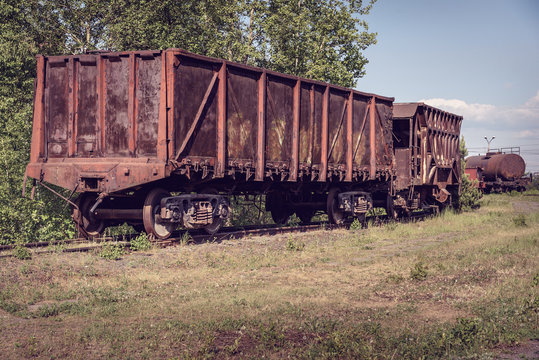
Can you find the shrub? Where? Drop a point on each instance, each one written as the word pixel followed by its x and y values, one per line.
pixel 21 252
pixel 186 238
pixel 294 245
pixel 520 220
pixel 140 243
pixel 469 194
pixel 111 251
pixel 419 271
pixel 356 225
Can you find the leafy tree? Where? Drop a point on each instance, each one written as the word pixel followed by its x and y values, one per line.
pixel 322 40
pixel 24 32
pixel 318 39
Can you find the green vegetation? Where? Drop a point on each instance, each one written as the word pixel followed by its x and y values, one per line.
pixel 294 244
pixel 112 251
pixel 419 271
pixel 469 194
pixel 461 285
pixel 21 252
pixel 140 243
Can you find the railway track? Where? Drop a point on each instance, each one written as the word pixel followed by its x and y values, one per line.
pixel 196 237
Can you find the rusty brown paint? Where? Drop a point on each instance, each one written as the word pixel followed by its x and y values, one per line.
pixel 152 100
pixel 261 129
pixel 131 105
pixel 311 125
pixel 372 138
pixel 172 62
pixel 349 138
pixel 325 138
pixel 294 158
pixel 162 135
pixel 101 91
pixel 221 123
pixel 38 138
pixel 198 116
pixel 72 105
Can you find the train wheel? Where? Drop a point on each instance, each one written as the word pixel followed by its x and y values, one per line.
pixel 279 209
pixel 150 213
pixel 217 223
pixel 88 225
pixel 392 213
pixel 336 215
pixel 280 216
pixel 305 215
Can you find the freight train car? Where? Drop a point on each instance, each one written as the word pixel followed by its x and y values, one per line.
pixel 498 171
pixel 159 139
pixel 427 157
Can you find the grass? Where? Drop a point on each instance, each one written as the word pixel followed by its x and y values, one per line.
pixel 454 286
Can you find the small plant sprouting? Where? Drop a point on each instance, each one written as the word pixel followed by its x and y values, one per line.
pixel 293 220
pixel 21 252
pixel 111 251
pixel 520 220
pixel 356 225
pixel 294 245
pixel 419 271
pixel 186 239
pixel 140 243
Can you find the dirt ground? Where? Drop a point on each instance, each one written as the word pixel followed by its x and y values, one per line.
pixel 454 286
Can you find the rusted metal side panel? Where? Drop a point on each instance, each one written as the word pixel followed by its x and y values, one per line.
pixel 384 137
pixel 261 129
pixel 147 96
pixel 324 137
pixel 172 63
pixel 220 164
pixel 193 95
pixel 242 115
pixel 162 128
pixel 439 143
pixel 403 172
pixel 116 120
pixel 57 107
pixel 38 139
pixel 372 138
pixel 349 137
pixel 279 121
pixel 294 159
pixel 99 112
pixel 87 108
pixel 337 128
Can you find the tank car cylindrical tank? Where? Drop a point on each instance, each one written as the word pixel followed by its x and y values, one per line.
pixel 504 166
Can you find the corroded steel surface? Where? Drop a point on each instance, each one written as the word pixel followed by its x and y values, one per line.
pixel 502 166
pixel 113 121
pixel 432 135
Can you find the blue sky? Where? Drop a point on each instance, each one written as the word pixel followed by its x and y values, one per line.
pixel 475 58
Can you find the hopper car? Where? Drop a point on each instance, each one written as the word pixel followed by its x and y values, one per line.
pixel 161 139
pixel 498 171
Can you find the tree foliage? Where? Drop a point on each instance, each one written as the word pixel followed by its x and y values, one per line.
pixel 319 39
pixel 469 194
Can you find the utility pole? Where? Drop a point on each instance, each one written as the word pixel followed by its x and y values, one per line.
pixel 488 142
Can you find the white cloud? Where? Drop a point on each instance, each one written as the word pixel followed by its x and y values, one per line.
pixel 533 102
pixel 525 116
pixel 512 125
